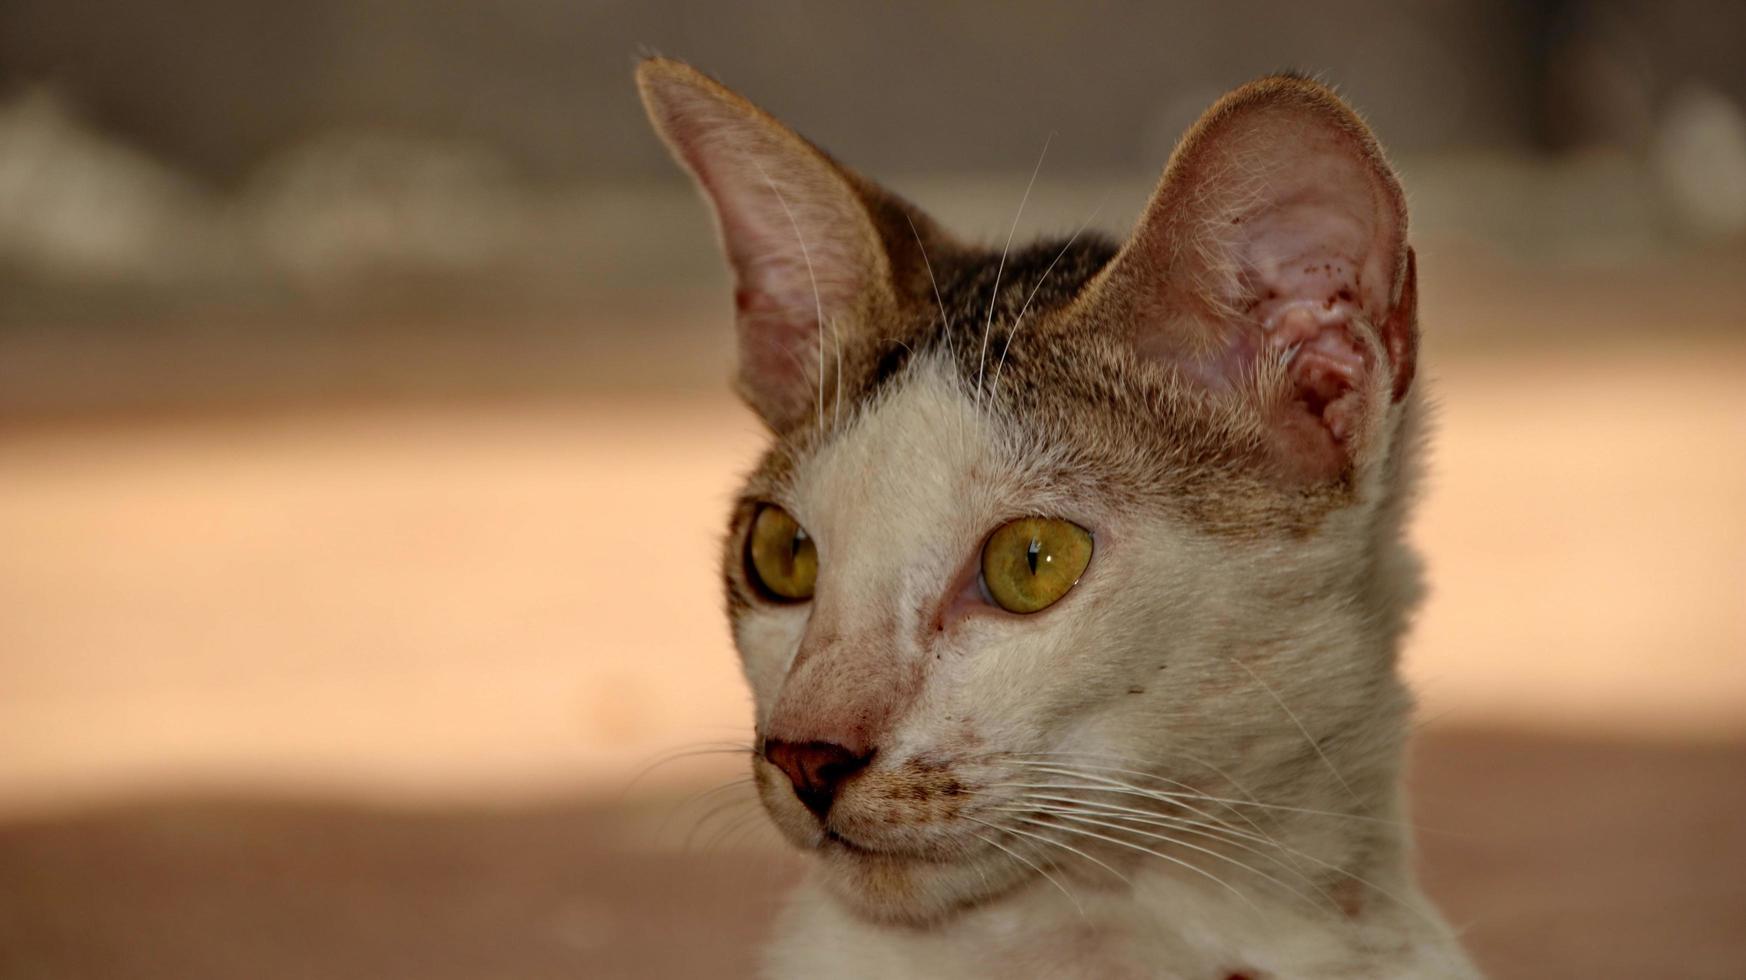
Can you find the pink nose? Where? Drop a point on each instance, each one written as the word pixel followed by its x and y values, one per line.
pixel 817 770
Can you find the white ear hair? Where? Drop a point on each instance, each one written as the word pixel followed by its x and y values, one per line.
pixel 795 229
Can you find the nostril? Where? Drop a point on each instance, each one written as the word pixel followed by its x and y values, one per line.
pixel 817 769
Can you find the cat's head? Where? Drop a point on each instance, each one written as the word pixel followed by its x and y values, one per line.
pixel 1036 517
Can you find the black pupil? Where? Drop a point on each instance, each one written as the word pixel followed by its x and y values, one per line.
pixel 1031 554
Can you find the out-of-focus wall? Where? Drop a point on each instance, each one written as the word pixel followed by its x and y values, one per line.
pixel 239 177
pixel 218 88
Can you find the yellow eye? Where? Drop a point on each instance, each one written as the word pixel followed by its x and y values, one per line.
pixel 1031 563
pixel 780 558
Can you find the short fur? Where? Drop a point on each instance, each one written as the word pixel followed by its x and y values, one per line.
pixel 1190 765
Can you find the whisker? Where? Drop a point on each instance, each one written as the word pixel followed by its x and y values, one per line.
pixel 1157 794
pixel 993 297
pixel 1229 779
pixel 1219 827
pixel 746 826
pixel 1300 727
pixel 1252 801
pixel 1216 799
pixel 734 831
pixel 1159 820
pixel 1196 793
pixel 1053 843
pixel 837 403
pixel 668 758
pixel 1027 863
pixel 1146 850
pixel 713 813
pixel 945 318
pixel 1167 839
pixel 994 388
pixel 1104 784
pixel 1177 753
pixel 697 798
pixel 1148 816
pixel 1214 821
pixel 1085 772
pixel 817 300
pixel 1175 799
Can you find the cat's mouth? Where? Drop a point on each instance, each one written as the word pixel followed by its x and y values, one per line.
pixel 900 844
pixel 829 838
pixel 916 886
pixel 833 841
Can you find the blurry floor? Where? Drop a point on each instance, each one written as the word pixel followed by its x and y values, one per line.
pixel 293 693
pixel 1573 859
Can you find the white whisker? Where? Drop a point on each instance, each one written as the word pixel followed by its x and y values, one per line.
pixel 1027 863
pixel 1211 821
pixel 817 299
pixel 697 798
pixel 1215 825
pixel 994 296
pixel 1078 770
pixel 1182 799
pixel 1128 787
pixel 1177 800
pixel 686 752
pixel 1053 843
pixel 1169 840
pixel 1251 801
pixel 1189 827
pixel 1300 727
pixel 1152 794
pixel 703 821
pixel 1212 825
pixel 1248 796
pixel 945 318
pixel 1147 850
pixel 837 403
pixel 994 388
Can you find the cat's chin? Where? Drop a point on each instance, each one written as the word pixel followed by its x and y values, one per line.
pixel 909 890
pixel 918 878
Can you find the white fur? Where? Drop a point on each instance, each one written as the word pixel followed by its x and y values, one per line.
pixel 1178 655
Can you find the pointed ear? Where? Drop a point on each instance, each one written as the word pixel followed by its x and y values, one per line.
pixel 796 227
pixel 1272 262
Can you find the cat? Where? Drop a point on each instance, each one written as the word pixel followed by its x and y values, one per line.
pixel 1071 585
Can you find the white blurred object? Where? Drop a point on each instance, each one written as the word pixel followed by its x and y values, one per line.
pixel 1699 155
pixel 345 206
pixel 77 205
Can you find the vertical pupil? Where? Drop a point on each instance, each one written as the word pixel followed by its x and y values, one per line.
pixel 1031 554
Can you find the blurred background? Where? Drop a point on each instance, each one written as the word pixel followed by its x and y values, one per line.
pixel 365 439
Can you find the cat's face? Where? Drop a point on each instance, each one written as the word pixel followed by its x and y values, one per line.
pixel 1039 519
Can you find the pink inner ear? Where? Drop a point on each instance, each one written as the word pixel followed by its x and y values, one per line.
pixel 794 227
pixel 1326 365
pixel 1306 263
pixel 1268 266
pixel 1315 264
pixel 794 238
pixel 778 338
